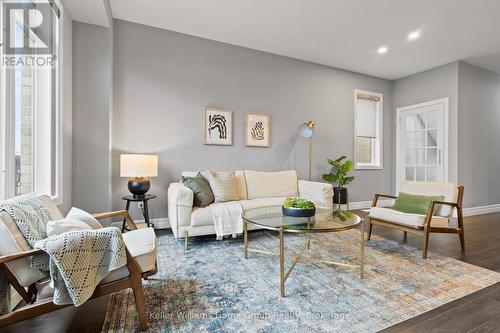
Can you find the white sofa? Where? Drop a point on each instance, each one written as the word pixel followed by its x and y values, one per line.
pixel 256 189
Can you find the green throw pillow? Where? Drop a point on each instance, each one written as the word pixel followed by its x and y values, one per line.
pixel 203 195
pixel 414 204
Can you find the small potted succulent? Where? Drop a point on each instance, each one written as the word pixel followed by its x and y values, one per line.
pixel 298 207
pixel 339 177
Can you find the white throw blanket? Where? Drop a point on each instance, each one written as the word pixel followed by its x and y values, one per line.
pixel 79 260
pixel 227 218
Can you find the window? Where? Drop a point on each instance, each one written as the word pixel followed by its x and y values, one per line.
pixel 368 129
pixel 29 121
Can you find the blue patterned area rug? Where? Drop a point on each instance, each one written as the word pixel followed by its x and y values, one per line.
pixel 212 288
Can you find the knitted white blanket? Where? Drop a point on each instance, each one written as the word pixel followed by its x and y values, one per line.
pixel 227 218
pixel 79 260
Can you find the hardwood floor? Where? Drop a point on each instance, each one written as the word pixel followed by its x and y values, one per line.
pixel 477 312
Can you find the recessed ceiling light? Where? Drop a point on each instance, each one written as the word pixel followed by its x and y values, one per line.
pixel 414 35
pixel 382 50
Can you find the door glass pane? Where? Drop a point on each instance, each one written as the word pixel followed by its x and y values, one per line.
pixel 420 157
pixel 431 138
pixel 411 157
pixel 23 130
pixel 420 121
pixel 431 156
pixel 410 139
pixel 410 122
pixel 432 119
pixel 420 174
pixel 410 173
pixel 420 139
pixel 431 174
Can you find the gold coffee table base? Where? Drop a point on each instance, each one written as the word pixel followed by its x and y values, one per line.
pixel 300 255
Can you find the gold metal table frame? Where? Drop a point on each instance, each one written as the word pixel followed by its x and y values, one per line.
pixel 307 244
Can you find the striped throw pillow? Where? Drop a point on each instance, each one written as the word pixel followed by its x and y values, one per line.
pixel 224 186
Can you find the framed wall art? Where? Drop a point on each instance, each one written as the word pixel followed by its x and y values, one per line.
pixel 257 130
pixel 218 126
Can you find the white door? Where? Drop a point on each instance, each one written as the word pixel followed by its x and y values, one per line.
pixel 422 142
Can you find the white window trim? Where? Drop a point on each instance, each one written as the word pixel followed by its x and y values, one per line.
pixel 7 162
pixel 380 131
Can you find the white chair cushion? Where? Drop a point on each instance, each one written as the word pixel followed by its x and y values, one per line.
pixel 55 228
pixel 12 241
pixel 141 244
pixel 81 215
pixel 448 190
pixel 262 184
pixel 410 220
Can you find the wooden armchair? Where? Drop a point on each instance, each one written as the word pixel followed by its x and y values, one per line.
pixel 15 266
pixel 437 218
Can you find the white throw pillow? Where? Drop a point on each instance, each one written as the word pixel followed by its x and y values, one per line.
pixel 224 186
pixel 81 215
pixel 55 228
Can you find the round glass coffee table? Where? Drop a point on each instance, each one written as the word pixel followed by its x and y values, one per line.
pixel 325 221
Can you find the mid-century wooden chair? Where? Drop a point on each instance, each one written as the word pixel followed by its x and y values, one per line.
pixel 34 288
pixel 437 218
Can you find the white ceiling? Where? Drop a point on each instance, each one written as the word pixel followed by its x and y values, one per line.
pixel 338 33
pixel 88 11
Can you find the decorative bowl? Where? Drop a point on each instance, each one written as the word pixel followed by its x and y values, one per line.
pixel 298 212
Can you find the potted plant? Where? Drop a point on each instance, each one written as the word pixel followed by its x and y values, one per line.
pixel 298 207
pixel 339 177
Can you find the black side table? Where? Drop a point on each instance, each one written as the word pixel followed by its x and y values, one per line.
pixel 144 208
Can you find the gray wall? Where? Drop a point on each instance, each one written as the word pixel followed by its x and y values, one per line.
pixel 163 80
pixel 478 121
pixel 433 84
pixel 91 117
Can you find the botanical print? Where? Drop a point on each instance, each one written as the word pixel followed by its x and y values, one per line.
pixel 218 126
pixel 257 130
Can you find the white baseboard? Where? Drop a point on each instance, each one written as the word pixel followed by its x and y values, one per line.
pixel 159 223
pixel 367 204
pixel 472 211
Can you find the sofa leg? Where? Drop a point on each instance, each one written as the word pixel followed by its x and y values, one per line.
pixel 405 235
pixel 370 225
pixel 186 240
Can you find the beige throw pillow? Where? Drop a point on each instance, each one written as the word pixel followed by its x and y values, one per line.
pixel 224 186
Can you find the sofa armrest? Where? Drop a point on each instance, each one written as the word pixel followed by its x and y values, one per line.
pixel 180 206
pixel 320 193
pixel 180 195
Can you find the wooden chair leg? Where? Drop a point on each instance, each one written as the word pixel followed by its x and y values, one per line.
pixel 370 225
pixel 461 226
pixel 426 243
pixel 140 303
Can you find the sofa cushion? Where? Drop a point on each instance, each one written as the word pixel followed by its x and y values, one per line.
pixel 201 216
pixel 203 195
pixel 240 181
pixel 262 184
pixel 410 220
pixel 224 186
pixel 448 190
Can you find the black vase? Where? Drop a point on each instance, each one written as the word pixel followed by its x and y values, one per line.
pixel 340 195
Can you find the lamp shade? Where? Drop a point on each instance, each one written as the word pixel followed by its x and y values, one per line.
pixel 136 165
pixel 306 129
